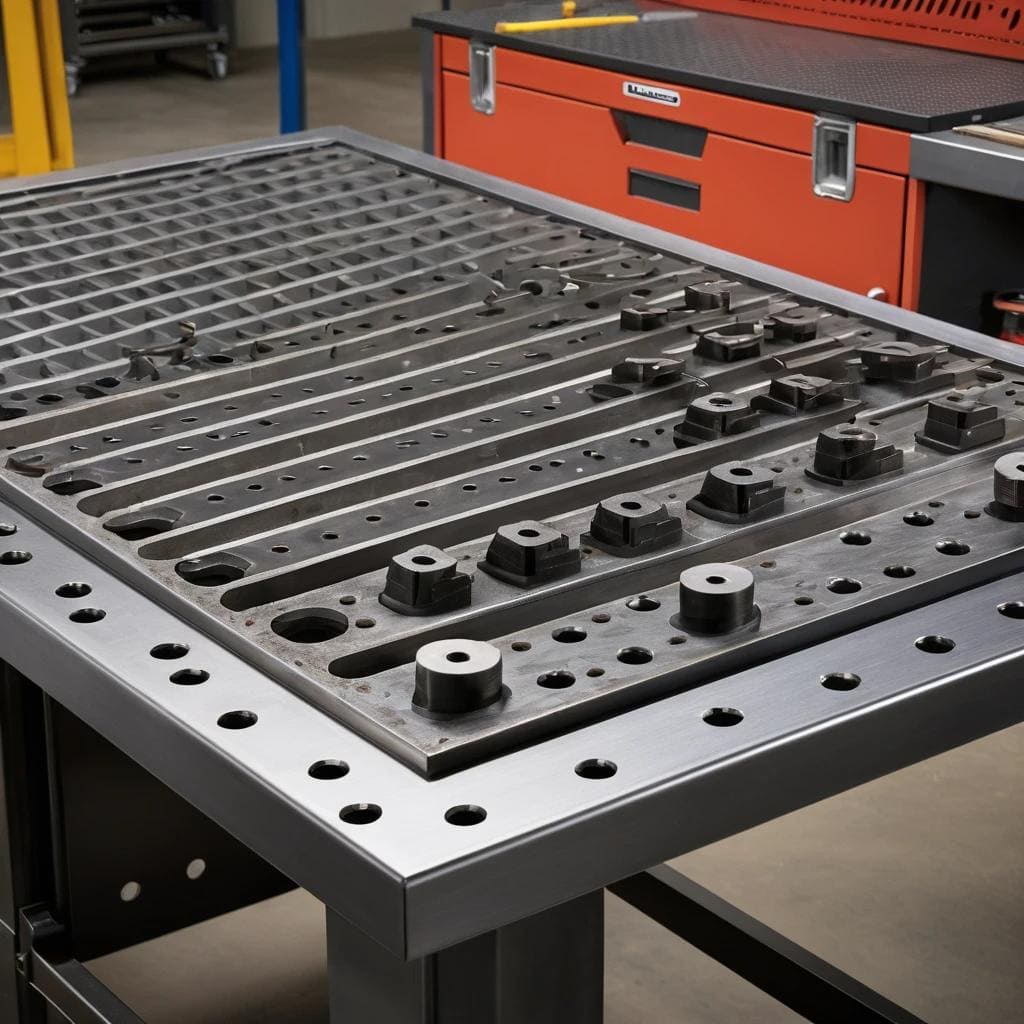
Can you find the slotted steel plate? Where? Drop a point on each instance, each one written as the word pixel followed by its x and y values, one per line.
pixel 247 383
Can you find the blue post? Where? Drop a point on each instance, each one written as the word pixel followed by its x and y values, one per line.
pixel 291 60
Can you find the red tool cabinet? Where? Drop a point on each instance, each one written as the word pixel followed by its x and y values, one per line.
pixel 732 165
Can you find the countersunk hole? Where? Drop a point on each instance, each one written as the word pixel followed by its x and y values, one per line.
pixel 596 768
pixel 328 769
pixel 899 572
pixel 457 656
pixel 73 590
pixel 1012 609
pixel 843 585
pixel 195 676
pixel 87 615
pixel 569 635
pixel 130 891
pixel 952 547
pixel 464 815
pixel 521 645
pixel 722 717
pixel 643 603
pixel 858 537
pixel 7 529
pixel 634 655
pixel 360 814
pixel 934 644
pixel 310 625
pixel 168 652
pixel 236 719
pixel 15 557
pixel 840 681
pixel 918 519
pixel 558 680
pixel 423 560
pixel 195 869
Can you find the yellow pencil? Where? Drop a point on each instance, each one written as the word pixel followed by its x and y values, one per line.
pixel 512 27
pixel 595 21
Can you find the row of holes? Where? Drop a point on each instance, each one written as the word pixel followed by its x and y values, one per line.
pixel 601 768
pixel 948 546
pixel 464 814
pixel 194 870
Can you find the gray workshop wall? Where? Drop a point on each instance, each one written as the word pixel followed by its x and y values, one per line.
pixel 325 19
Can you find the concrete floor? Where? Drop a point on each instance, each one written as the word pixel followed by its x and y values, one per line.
pixel 914 883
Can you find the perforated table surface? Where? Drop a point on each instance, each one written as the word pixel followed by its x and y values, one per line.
pixel 914 88
pixel 296 432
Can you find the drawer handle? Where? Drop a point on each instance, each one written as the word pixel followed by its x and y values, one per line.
pixel 834 158
pixel 686 139
pixel 481 77
pixel 662 189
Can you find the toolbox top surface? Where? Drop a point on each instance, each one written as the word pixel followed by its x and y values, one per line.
pixel 914 88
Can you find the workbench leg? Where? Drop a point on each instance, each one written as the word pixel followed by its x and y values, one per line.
pixel 546 969
pixel 26 851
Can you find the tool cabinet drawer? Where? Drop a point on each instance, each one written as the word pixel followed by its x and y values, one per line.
pixel 747 197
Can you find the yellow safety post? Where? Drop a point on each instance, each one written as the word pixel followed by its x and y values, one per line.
pixel 41 140
pixel 51 49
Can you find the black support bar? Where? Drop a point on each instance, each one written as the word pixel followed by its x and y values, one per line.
pixel 785 971
pixel 65 983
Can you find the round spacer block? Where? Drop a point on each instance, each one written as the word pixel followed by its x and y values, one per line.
pixel 454 677
pixel 1008 487
pixel 716 598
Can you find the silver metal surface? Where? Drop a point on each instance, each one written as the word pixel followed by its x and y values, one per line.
pixel 969 162
pixel 555 788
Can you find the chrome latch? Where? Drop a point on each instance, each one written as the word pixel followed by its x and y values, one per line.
pixel 481 77
pixel 833 157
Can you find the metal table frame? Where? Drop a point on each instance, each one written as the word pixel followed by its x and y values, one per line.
pixel 419 910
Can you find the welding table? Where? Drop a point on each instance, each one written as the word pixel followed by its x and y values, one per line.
pixel 454 552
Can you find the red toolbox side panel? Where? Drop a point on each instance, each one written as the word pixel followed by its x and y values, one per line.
pixel 753 199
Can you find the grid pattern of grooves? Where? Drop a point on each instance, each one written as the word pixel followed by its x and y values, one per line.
pixel 381 360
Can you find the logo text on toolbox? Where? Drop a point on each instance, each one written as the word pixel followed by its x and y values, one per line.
pixel 651 93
